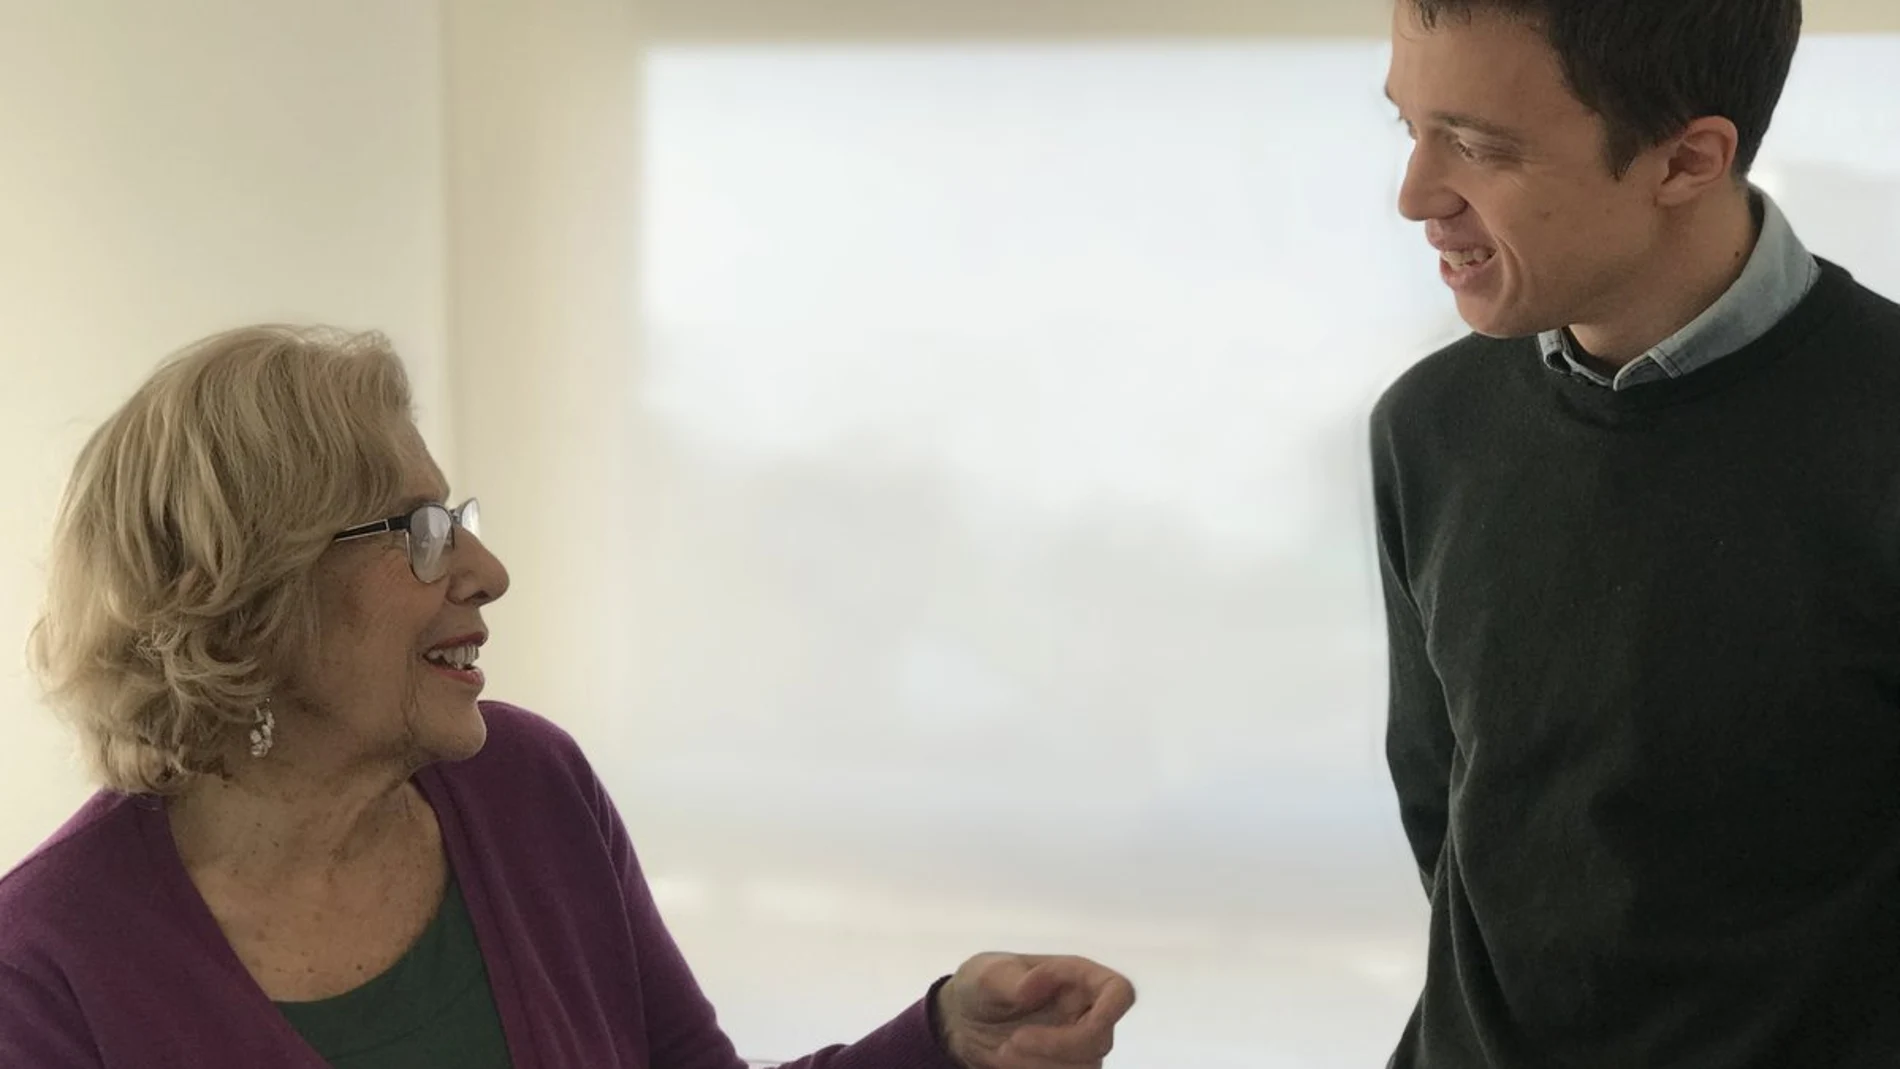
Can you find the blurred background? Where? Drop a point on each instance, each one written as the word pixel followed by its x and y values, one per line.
pixel 926 437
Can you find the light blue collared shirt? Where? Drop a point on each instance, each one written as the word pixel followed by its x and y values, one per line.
pixel 1779 273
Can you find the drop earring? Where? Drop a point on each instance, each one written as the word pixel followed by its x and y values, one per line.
pixel 263 730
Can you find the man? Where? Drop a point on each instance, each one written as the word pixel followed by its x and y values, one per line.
pixel 1640 540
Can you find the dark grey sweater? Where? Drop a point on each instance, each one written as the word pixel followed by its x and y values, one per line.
pixel 1645 705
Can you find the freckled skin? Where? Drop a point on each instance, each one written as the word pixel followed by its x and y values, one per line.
pixel 322 862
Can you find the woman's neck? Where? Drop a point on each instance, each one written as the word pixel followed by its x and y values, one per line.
pixel 285 825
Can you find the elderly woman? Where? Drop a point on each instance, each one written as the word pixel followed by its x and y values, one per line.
pixel 315 845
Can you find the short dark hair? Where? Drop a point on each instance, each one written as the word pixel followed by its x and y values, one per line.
pixel 1650 67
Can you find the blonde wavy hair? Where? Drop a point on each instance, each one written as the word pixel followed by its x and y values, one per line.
pixel 182 567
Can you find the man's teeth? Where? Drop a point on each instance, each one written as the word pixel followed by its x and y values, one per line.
pixel 1467 257
pixel 457 657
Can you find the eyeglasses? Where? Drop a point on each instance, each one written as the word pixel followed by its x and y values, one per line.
pixel 430 532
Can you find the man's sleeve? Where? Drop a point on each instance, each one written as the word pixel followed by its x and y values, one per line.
pixel 1419 741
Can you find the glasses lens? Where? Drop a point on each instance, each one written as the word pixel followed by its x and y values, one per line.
pixel 469 516
pixel 429 542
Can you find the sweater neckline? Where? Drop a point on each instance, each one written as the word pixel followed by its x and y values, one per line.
pixel 156 828
pixel 1823 303
pixel 154 821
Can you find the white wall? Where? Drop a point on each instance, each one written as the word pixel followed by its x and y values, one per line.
pixel 168 170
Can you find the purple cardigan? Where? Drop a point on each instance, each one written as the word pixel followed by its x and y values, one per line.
pixel 109 959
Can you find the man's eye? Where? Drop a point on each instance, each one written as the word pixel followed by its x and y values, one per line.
pixel 1475 155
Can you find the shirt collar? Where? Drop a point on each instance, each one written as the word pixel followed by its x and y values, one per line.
pixel 1779 273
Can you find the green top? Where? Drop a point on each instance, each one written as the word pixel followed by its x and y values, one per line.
pixel 433 1008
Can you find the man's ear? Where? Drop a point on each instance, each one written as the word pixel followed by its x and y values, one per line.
pixel 1700 158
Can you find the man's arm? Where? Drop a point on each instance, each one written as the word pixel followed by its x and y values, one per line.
pixel 1418 741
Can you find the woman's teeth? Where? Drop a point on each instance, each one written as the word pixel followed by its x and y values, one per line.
pixel 456 657
pixel 1467 257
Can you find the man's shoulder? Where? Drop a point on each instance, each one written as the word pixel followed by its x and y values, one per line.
pixel 1844 340
pixel 1874 317
pixel 1457 374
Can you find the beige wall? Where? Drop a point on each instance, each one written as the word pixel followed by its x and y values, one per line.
pixel 715 20
pixel 543 132
pixel 175 169
pixel 167 170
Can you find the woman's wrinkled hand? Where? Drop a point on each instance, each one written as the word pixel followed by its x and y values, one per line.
pixel 1015 1011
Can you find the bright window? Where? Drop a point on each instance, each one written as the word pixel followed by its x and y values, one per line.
pixel 1006 409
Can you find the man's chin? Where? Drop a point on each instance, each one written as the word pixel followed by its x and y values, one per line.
pixel 1492 322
